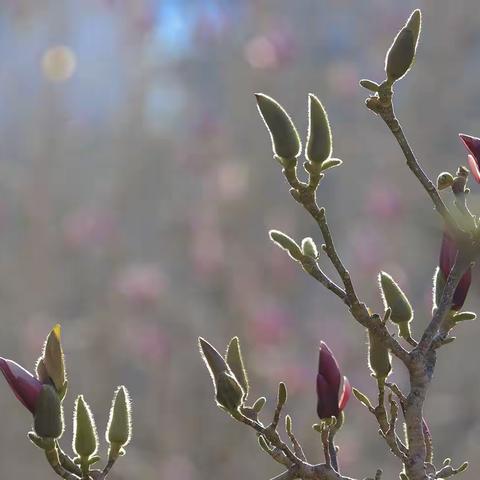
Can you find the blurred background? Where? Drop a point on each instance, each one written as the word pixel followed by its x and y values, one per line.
pixel 137 187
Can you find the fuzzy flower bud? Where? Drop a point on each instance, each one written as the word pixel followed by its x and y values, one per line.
pixel 328 385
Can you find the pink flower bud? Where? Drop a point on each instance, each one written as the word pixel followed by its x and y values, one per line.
pixel 473 146
pixel 448 253
pixel 328 385
pixel 24 385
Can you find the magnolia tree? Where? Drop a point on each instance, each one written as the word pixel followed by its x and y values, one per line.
pixel 400 417
pixel 43 393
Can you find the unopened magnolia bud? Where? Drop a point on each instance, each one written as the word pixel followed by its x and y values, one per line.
pixel 235 362
pixel 309 248
pixel 41 371
pixel 288 424
pixel 282 394
pixel 48 417
pixel 444 180
pixel 285 140
pixel 369 85
pixel 319 138
pixel 400 56
pixel 229 392
pixel 464 317
pixel 213 360
pixel 285 242
pixel 362 398
pixel 85 440
pixel 330 163
pixel 394 298
pixel 378 357
pixel 53 358
pixel 259 404
pixel 119 427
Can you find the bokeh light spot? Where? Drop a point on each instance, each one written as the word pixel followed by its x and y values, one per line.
pixel 58 63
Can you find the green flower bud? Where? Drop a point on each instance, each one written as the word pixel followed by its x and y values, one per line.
pixel 85 439
pixel 282 394
pixel 400 56
pixel 53 359
pixel 48 416
pixel 464 317
pixel 213 360
pixel 369 85
pixel 259 404
pixel 309 248
pixel 362 398
pixel 285 140
pixel 41 371
pixel 394 298
pixel 330 163
pixel 319 138
pixel 379 358
pixel 288 424
pixel 285 242
pixel 235 362
pixel 119 427
pixel 444 180
pixel 229 392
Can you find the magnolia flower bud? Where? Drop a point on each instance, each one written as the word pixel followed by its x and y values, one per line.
pixel 444 180
pixel 319 138
pixel 119 427
pixel 285 140
pixel 473 146
pixel 53 359
pixel 328 385
pixel 48 416
pixel 285 242
pixel 213 360
pixel 309 248
pixel 400 56
pixel 85 440
pixel 229 392
pixel 378 357
pixel 394 298
pixel 235 362
pixel 23 384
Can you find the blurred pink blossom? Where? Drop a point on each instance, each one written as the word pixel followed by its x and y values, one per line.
pixel 141 284
pixel 146 341
pixel 271 50
pixel 269 325
pixel 383 201
pixel 89 228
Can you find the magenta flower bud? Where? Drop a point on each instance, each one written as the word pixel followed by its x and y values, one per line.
pixel 473 146
pixel 328 385
pixel 448 253
pixel 24 385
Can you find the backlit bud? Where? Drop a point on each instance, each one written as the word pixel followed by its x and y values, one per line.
pixel 23 384
pixel 328 385
pixel 285 242
pixel 85 440
pixel 378 357
pixel 48 416
pixel 229 392
pixel 285 140
pixel 400 56
pixel 319 139
pixel 119 427
pixel 394 298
